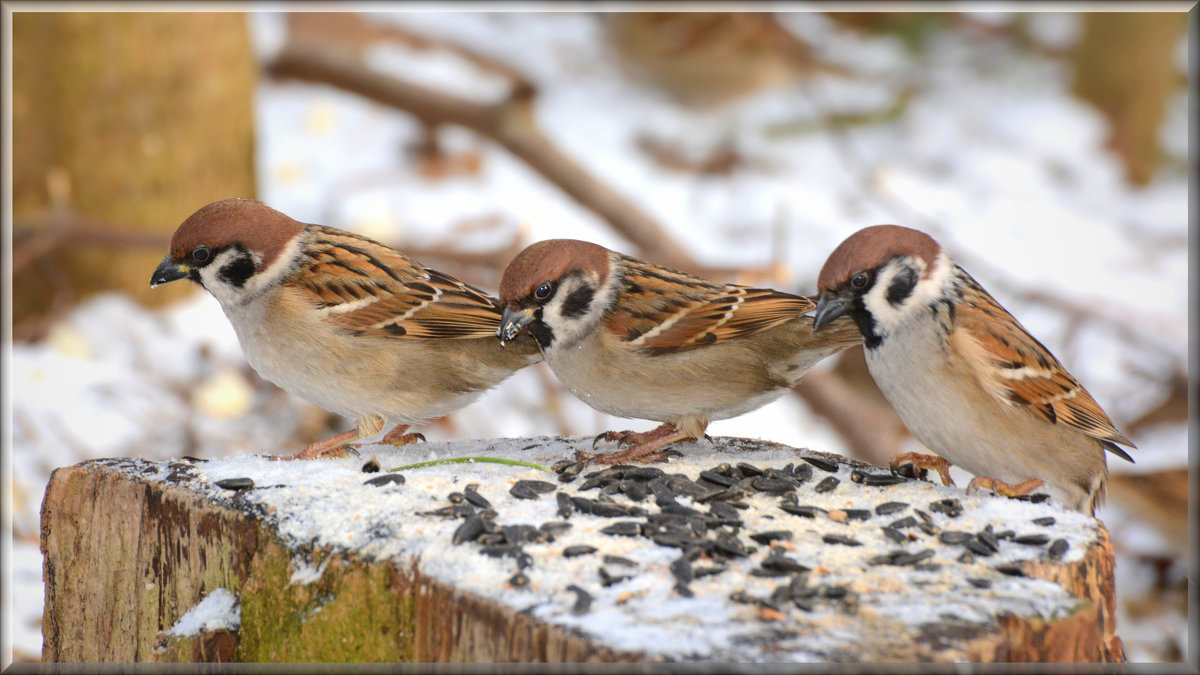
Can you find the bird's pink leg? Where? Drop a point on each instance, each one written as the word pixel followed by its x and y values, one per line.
pixel 1002 488
pixel 921 461
pixel 645 445
pixel 334 446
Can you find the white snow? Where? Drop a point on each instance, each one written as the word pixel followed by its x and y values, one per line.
pixel 219 610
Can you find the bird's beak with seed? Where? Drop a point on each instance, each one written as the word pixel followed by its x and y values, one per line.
pixel 168 271
pixel 513 322
pixel 829 308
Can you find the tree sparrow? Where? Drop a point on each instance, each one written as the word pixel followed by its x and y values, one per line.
pixel 343 321
pixel 633 339
pixel 967 379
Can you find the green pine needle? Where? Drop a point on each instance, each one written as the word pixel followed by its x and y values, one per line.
pixel 472 460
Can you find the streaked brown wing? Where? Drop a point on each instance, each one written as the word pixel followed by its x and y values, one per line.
pixel 664 311
pixel 389 294
pixel 1020 371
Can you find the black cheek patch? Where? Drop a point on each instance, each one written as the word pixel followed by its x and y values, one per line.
pixel 865 322
pixel 577 302
pixel 237 271
pixel 901 287
pixel 542 333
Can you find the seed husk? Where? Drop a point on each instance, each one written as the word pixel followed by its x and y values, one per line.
pixel 583 600
pixel 455 498
pixel 951 507
pixel 518 580
pixel 371 466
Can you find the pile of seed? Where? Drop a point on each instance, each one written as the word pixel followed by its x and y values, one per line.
pixel 709 533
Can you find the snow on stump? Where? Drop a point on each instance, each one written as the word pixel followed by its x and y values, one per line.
pixel 738 551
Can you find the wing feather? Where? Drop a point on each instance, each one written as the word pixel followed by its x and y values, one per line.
pixel 1020 371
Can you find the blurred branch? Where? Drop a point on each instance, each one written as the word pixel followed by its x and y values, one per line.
pixel 32 240
pixel 510 123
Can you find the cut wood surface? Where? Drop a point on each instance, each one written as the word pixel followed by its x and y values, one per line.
pixel 775 554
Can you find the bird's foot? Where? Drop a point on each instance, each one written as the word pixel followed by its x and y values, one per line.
pixel 400 436
pixel 920 462
pixel 645 447
pixel 334 447
pixel 1002 488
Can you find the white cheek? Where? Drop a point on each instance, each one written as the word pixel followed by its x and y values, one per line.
pixel 887 316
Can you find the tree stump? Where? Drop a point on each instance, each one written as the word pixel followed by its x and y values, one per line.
pixel 771 554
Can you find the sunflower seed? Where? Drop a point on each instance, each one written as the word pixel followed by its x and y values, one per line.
pixel 1058 549
pixel 951 507
pixel 684 591
pixel 371 466
pixel 1031 539
pixel 954 537
pixel 876 479
pixel 1044 522
pixel 625 528
pixel 822 464
pixel 749 470
pixel 565 507
pixel 518 580
pixel 826 485
pixel 782 563
pixel 772 485
pixel 242 483
pixel 802 473
pixel 976 546
pixel 988 539
pixel 583 601
pixel 765 538
pixel 634 490
pixel 681 569
pixel 717 479
pixel 901 523
pixel 895 535
pixel 857 514
pixel 469 530
pixel 618 560
pixel 1011 570
pixel 578 550
pixel 805 511
pixel 386 479
pixel 978 582
pixel 706 571
pixel 840 539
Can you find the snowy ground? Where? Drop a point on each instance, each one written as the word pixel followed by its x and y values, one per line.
pixel 993 157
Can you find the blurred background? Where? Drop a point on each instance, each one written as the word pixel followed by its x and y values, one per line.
pixel 1048 152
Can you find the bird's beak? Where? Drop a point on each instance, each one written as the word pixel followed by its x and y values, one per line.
pixel 830 308
pixel 513 322
pixel 168 271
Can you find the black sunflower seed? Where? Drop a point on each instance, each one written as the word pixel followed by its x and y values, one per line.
pixel 684 591
pixel 518 580
pixel 835 592
pixel 684 511
pixel 636 491
pixel 618 560
pixel 609 509
pixel 978 547
pixel 643 473
pixel 857 514
pixel 802 473
pixel 743 598
pixel 706 571
pixel 1044 522
pixel 749 470
pixel 565 507
pixel 578 550
pixel 822 464
pixel 371 466
pixel 954 537
pixel 1006 534
pixel 901 523
pixel 386 479
pixel 554 527
pixel 771 485
pixel 625 528
pixel 1034 498
pixel 804 511
pixel 876 479
pixel 951 507
pixel 826 485
pixel 1058 549
pixel 966 556
pixel 490 538
pixel 1032 539
pixel 242 483
pixel 194 460
pixel 978 582
pixel 583 601
pixel 717 479
pixel 476 499
pixel 782 563
pixel 840 539
pixel 1010 570
pixel 681 569
pixel 562 465
pixel 524 560
pixel 725 512
pixel 895 535
pixel 519 532
pixel 523 492
pixel 469 530
pixel 988 539
pixel 765 538
pixel 925 517
pixel 888 508
pixel 730 545
pixel 455 497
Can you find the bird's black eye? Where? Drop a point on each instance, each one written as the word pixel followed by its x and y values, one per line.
pixel 201 254
pixel 860 280
pixel 542 292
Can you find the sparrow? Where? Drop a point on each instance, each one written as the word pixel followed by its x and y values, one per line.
pixel 637 340
pixel 342 321
pixel 964 375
